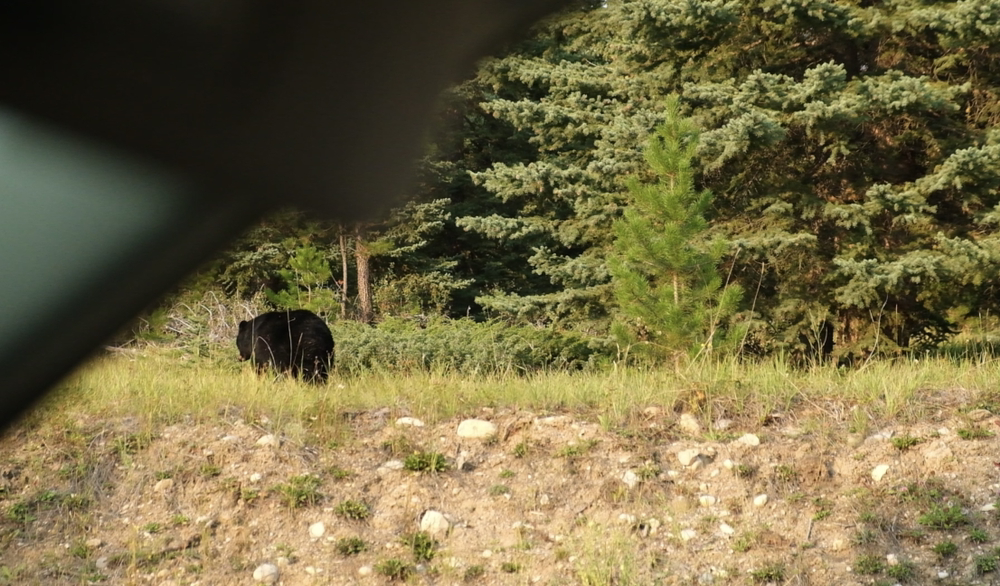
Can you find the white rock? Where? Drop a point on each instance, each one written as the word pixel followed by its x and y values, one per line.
pixel 685 457
pixel 726 529
pixel 892 560
pixel 942 574
pixel 365 571
pixel 722 424
pixel 760 500
pixel 631 479
pixel 94 542
pixel 393 465
pixel 555 420
pixel 487 553
pixel 411 421
pixel 268 440
pixel 688 534
pixel 707 500
pixel 311 570
pixel 164 485
pixel 689 423
pixel 476 429
pixel 255 477
pixel 627 519
pixel 879 471
pixel 728 464
pixel 266 573
pixel 654 525
pixel 435 523
pixel 749 439
pixel 317 529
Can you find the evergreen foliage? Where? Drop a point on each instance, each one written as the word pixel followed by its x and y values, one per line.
pixel 665 273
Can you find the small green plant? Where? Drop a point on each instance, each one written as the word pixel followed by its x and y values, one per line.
pixel 152 528
pixel 499 490
pixel 940 518
pixel 978 536
pixel 507 474
pixel 21 513
pixel 985 564
pixel 422 545
pixel 868 565
pixel 353 510
pixel 521 450
pixel 648 471
pixel 974 433
pixel 210 471
pixel 785 473
pixel 905 442
pixel 744 471
pixel 510 567
pixel 179 519
pixel 425 462
pixel 473 573
pixel 163 474
pixel 249 495
pixel 576 450
pixel 745 542
pixel 338 473
pixel 824 508
pixel 132 443
pixel 946 549
pixel 79 549
pixel 393 569
pixel 348 546
pixel 902 571
pixel 301 491
pixel 864 537
pixel 769 573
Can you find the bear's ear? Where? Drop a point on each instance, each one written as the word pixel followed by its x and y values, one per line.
pixel 243 325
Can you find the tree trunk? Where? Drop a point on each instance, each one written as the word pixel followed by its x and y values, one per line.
pixel 343 275
pixel 361 259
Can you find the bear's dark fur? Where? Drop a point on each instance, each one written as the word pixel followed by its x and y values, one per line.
pixel 296 341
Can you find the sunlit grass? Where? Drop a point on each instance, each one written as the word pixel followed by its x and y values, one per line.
pixel 162 386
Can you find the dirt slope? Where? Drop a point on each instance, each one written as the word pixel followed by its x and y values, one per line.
pixel 544 499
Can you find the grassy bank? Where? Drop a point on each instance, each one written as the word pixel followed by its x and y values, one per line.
pixel 161 386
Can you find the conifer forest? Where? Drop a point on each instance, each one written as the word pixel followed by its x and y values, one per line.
pixel 671 179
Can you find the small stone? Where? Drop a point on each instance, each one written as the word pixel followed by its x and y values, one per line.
pixel 94 542
pixel 266 573
pixel 311 570
pixel 476 429
pixel 689 423
pixel 988 507
pixel 879 472
pixel 760 500
pixel 627 519
pixel 688 534
pixel 392 465
pixel 652 412
pixel 707 500
pixel 281 561
pixel 630 478
pixel 726 529
pixel 942 574
pixel 685 457
pixel 654 525
pixel 487 553
pixel 722 424
pixel 255 477
pixel 268 440
pixel 164 485
pixel 101 563
pixel 411 421
pixel 317 529
pixel 365 571
pixel 728 464
pixel 892 560
pixel 555 420
pixel 749 439
pixel 434 523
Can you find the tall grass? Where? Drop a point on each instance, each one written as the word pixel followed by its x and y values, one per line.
pixel 164 385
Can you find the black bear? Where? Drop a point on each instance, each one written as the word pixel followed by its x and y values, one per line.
pixel 298 341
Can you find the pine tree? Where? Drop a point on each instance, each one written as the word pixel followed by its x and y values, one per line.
pixel 665 271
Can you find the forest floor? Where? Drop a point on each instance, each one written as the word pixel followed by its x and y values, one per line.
pixel 534 498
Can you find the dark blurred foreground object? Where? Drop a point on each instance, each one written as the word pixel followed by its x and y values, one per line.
pixel 138 136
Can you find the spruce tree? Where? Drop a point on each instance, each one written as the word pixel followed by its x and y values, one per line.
pixel 665 270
